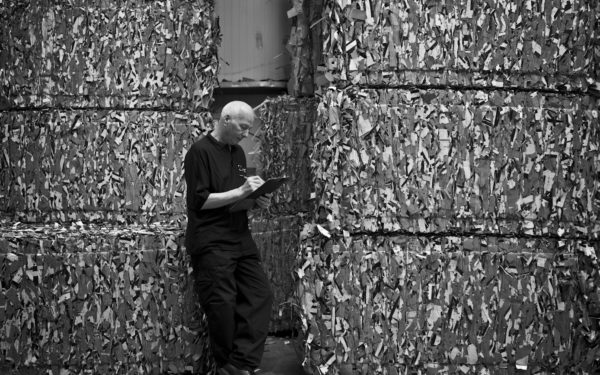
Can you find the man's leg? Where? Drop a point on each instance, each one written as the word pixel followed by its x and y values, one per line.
pixel 253 312
pixel 216 288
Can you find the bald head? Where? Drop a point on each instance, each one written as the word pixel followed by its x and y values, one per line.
pixel 236 120
pixel 237 109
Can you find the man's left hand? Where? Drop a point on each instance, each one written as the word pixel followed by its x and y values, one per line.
pixel 264 201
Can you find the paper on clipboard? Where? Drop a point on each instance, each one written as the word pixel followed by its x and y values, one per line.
pixel 269 186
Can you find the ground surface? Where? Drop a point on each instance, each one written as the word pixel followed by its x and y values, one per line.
pixel 282 357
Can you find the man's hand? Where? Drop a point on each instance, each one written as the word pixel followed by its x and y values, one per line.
pixel 264 201
pixel 252 183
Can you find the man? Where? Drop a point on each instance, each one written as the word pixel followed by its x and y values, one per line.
pixel 233 288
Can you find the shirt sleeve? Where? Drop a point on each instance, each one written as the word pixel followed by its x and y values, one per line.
pixel 197 178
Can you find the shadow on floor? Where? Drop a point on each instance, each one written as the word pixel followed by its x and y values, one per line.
pixel 282 357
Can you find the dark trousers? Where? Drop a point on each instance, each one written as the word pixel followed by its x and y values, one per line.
pixel 237 299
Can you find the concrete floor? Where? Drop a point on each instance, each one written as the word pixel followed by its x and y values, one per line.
pixel 282 357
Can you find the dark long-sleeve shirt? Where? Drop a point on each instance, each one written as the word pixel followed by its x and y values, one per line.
pixel 214 167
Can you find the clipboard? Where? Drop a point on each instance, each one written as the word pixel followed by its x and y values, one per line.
pixel 269 186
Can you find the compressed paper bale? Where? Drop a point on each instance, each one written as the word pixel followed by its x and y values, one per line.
pixel 304 47
pixel 91 166
pixel 277 241
pixel 442 160
pixel 109 54
pixel 383 160
pixel 76 305
pixel 380 42
pixel 408 302
pixel 285 134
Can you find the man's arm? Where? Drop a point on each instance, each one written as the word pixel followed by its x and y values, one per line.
pixel 216 200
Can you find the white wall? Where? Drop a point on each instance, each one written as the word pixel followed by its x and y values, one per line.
pixel 255 34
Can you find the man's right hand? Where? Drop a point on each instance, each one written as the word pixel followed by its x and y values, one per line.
pixel 252 183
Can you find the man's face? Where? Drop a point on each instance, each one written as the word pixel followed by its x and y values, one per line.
pixel 238 127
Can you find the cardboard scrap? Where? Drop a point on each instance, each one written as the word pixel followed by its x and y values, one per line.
pixel 284 135
pixel 545 46
pixel 99 298
pixel 96 166
pixel 387 160
pixel 391 304
pixel 106 53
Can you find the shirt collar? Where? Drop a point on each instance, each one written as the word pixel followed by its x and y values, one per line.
pixel 216 142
